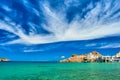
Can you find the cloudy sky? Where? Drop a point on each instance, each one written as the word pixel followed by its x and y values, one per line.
pixel 50 30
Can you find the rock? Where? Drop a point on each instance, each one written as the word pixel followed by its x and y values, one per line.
pixel 91 57
pixel 4 59
pixel 75 58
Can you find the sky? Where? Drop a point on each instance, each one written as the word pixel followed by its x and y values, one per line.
pixel 51 30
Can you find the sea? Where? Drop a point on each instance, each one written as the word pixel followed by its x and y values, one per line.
pixel 59 71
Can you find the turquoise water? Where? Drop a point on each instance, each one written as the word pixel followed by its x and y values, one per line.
pixel 59 71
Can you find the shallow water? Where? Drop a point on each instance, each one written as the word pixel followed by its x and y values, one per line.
pixel 59 71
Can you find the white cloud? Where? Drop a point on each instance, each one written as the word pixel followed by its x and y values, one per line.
pixel 68 3
pixel 62 56
pixel 91 45
pixel 114 45
pixel 85 29
pixel 6 8
pixel 27 51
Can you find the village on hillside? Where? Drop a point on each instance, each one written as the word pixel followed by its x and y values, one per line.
pixel 93 56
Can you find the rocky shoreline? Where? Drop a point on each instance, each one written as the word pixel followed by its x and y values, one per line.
pixel 4 59
pixel 93 56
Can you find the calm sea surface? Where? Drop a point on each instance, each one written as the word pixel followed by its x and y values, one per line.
pixel 59 71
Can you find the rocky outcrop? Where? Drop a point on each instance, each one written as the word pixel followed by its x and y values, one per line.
pixel 4 59
pixel 75 58
pixel 91 57
pixel 95 54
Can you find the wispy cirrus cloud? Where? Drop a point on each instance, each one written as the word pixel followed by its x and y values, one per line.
pixel 112 45
pixel 28 51
pixel 101 19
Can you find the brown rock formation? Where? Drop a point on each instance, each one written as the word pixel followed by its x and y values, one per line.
pixel 91 57
pixel 4 60
pixel 95 53
pixel 75 58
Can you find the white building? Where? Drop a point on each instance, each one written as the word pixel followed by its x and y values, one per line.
pixel 108 58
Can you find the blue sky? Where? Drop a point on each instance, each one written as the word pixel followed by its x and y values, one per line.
pixel 47 30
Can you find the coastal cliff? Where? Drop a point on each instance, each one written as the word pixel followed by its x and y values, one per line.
pixel 75 58
pixel 91 57
pixel 4 59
